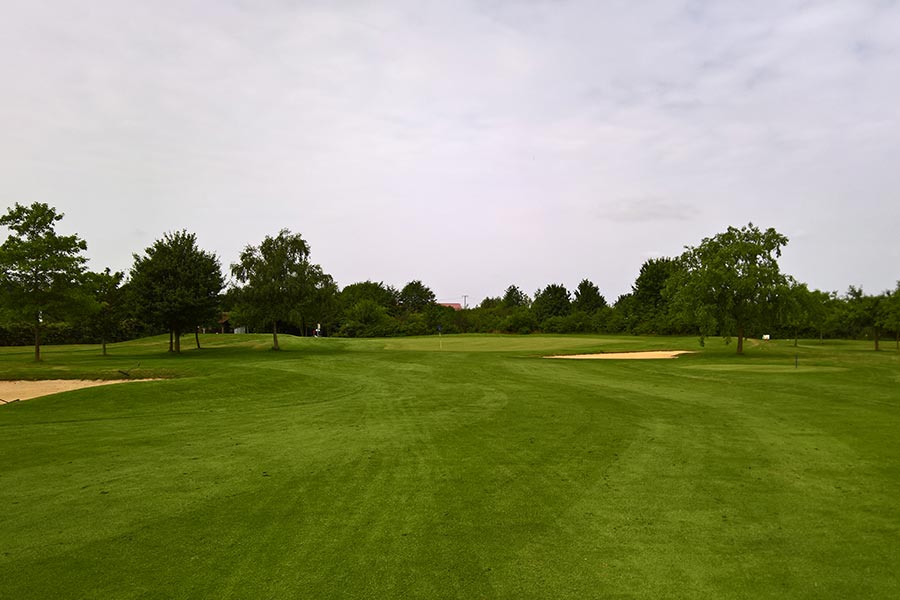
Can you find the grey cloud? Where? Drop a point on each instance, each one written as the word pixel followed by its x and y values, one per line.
pixel 464 129
pixel 647 209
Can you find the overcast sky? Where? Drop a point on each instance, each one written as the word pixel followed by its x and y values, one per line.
pixel 471 145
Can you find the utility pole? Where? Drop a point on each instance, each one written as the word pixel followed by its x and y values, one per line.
pixel 465 303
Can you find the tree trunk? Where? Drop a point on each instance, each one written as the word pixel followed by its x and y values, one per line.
pixel 103 345
pixel 171 340
pixel 177 336
pixel 876 339
pixel 197 337
pixel 37 340
pixel 275 336
pixel 898 339
pixel 740 348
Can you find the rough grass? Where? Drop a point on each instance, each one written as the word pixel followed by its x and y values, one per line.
pixel 391 468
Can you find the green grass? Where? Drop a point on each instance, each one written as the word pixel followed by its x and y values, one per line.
pixel 394 468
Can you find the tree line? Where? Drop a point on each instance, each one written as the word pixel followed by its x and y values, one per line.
pixel 729 284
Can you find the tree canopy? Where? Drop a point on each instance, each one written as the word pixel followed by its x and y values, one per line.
pixel 106 297
pixel 731 281
pixel 588 298
pixel 40 270
pixel 279 281
pixel 416 296
pixel 513 297
pixel 729 285
pixel 647 295
pixel 175 284
pixel 552 301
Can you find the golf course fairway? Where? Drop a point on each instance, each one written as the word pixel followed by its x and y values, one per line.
pixel 455 467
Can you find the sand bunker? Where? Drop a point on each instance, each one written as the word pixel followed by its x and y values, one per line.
pixel 626 355
pixel 11 391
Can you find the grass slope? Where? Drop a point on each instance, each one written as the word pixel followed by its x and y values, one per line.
pixel 394 468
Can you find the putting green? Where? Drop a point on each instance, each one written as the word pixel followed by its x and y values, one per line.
pixel 754 368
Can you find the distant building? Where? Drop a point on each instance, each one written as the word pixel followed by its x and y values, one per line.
pixel 225 323
pixel 453 305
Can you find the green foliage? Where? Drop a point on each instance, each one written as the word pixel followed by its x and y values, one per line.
pixel 867 313
pixel 383 295
pixel 107 304
pixel 175 284
pixel 552 301
pixel 415 297
pixel 513 297
pixel 621 318
pixel 731 282
pixel 489 303
pixel 891 314
pixel 40 271
pixel 519 320
pixel 649 302
pixel 323 306
pixel 588 298
pixel 367 318
pixel 280 285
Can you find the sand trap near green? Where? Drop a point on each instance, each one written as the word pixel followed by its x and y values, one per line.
pixel 653 355
pixel 10 391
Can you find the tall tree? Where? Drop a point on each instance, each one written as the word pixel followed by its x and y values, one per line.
pixel 513 297
pixel 731 281
pixel 588 298
pixel 867 312
pixel 323 305
pixel 40 271
pixel 416 296
pixel 278 280
pixel 106 306
pixel 800 309
pixel 552 301
pixel 176 284
pixel 649 302
pixel 891 315
pixel 380 294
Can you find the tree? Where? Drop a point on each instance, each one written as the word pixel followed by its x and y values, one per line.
pixel 867 312
pixel 105 293
pixel 826 313
pixel 621 318
pixel 552 301
pixel 649 303
pixel 40 271
pixel 367 318
pixel 322 305
pixel 279 281
pixel 796 308
pixel 891 316
pixel 415 296
pixel 588 298
pixel 731 281
pixel 176 284
pixel 490 303
pixel 379 293
pixel 513 297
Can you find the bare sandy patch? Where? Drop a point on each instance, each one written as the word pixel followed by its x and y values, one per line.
pixel 656 354
pixel 10 391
